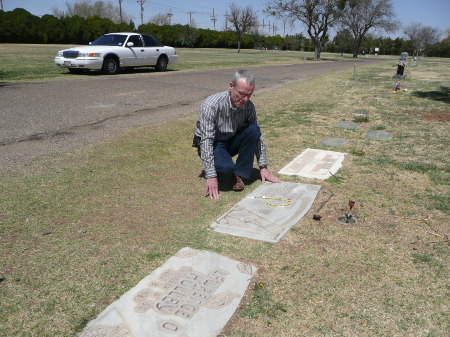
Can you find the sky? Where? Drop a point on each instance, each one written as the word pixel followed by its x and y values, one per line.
pixel 434 13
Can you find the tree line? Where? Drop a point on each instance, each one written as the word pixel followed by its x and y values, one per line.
pixel 20 26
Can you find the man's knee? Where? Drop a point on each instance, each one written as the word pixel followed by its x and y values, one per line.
pixel 225 169
pixel 253 130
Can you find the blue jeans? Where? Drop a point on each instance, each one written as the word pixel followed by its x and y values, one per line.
pixel 243 144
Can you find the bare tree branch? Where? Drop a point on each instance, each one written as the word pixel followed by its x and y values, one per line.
pixel 242 21
pixel 421 37
pixel 316 15
pixel 362 15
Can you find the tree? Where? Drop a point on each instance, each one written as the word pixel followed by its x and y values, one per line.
pixel 242 21
pixel 160 19
pixel 359 16
pixel 52 29
pixel 97 26
pixel 19 26
pixel 188 36
pixel 85 9
pixel 295 42
pixel 275 42
pixel 421 37
pixel 343 41
pixel 75 27
pixel 317 15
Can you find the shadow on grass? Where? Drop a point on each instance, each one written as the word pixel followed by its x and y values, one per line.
pixel 226 183
pixel 442 95
pixel 139 70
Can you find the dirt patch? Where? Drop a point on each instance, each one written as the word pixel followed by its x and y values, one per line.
pixel 436 115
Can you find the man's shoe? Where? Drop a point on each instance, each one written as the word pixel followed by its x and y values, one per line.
pixel 239 185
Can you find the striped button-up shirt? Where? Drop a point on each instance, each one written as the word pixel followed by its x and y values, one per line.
pixel 219 121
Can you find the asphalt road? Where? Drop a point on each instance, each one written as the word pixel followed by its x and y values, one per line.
pixel 46 117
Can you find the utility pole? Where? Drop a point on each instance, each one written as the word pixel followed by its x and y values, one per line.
pixel 141 2
pixel 120 10
pixel 226 21
pixel 214 19
pixel 1 4
pixel 190 18
pixel 170 16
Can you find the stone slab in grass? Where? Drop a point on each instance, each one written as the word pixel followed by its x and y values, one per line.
pixel 378 135
pixel 361 112
pixel 316 164
pixel 268 212
pixel 347 125
pixel 194 293
pixel 335 142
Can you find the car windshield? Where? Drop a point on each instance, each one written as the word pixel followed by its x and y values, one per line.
pixel 110 40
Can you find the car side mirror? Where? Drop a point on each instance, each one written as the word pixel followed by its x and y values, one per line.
pixel 130 44
pixel 90 43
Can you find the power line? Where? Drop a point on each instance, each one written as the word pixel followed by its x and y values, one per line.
pixel 178 8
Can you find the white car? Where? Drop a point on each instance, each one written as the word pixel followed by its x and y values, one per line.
pixel 110 52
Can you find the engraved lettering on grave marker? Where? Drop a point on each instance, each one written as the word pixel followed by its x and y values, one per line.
pixel 181 293
pixel 245 268
pixel 170 326
pixel 187 253
pixel 118 330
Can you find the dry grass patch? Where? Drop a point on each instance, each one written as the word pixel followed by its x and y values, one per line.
pixel 386 275
pixel 80 229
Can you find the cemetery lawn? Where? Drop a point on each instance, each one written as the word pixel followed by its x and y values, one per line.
pixel 81 228
pixel 35 62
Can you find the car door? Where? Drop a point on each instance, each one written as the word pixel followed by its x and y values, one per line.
pixel 136 56
pixel 152 49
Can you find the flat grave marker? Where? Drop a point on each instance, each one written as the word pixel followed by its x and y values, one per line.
pixel 194 293
pixel 378 135
pixel 316 164
pixel 361 112
pixel 268 212
pixel 348 125
pixel 334 142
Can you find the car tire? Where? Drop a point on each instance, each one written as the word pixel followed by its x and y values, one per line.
pixel 110 66
pixel 161 65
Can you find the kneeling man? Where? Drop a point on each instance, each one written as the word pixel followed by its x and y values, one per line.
pixel 227 126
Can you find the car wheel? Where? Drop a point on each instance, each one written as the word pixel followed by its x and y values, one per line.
pixel 76 70
pixel 110 66
pixel 161 65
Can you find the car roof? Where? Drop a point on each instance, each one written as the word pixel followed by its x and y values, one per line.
pixel 139 34
pixel 123 33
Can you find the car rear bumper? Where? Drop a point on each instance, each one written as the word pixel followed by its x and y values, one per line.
pixel 173 59
pixel 84 63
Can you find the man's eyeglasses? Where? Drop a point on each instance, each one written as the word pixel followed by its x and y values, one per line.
pixel 242 94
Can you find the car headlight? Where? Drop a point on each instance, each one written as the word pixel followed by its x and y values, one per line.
pixel 60 54
pixel 89 54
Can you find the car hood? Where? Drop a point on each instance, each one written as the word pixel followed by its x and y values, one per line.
pixel 94 48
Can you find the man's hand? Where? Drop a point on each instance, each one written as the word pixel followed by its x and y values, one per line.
pixel 267 175
pixel 212 188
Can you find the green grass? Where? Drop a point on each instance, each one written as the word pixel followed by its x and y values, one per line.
pixel 262 303
pixel 79 229
pixel 31 62
pixel 361 119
